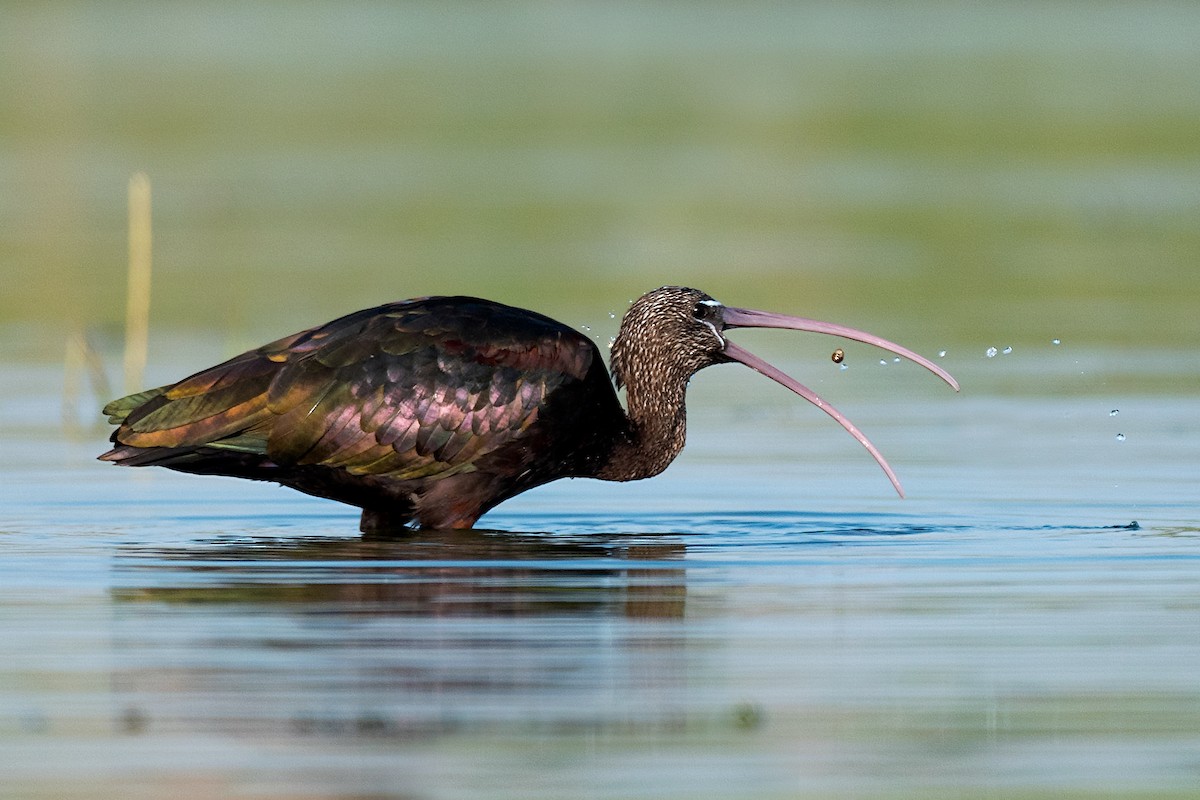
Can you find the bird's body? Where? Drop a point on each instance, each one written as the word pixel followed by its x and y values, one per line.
pixel 432 411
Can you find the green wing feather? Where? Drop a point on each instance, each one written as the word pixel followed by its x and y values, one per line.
pixel 406 391
pixel 119 409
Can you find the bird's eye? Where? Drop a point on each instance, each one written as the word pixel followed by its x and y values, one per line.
pixel 699 311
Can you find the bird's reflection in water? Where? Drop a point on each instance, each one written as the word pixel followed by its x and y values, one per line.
pixel 422 635
pixel 437 573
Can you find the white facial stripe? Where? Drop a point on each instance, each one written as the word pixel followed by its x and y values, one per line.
pixel 716 332
pixel 713 304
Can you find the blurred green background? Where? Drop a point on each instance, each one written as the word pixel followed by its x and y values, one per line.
pixel 945 171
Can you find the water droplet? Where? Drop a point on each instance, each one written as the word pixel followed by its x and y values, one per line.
pixel 1114 412
pixel 882 362
pixel 991 352
pixel 844 366
pixel 941 353
pixel 586 327
pixel 896 360
pixel 1056 341
pixel 1120 437
pixel 1007 350
pixel 611 315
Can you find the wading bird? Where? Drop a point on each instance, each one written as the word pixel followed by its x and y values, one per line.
pixel 429 412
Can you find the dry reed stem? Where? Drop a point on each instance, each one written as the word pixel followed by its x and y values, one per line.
pixel 81 358
pixel 137 306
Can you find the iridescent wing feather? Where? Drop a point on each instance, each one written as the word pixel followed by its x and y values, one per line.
pixel 408 391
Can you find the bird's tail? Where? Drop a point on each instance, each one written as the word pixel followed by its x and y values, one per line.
pixel 122 407
pixel 117 412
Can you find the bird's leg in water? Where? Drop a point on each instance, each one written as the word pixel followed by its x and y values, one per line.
pixel 376 521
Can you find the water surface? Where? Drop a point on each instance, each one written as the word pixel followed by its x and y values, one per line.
pixel 757 622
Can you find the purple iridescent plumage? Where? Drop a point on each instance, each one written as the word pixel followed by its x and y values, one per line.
pixel 432 411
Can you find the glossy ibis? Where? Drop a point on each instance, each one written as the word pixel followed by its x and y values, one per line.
pixel 432 411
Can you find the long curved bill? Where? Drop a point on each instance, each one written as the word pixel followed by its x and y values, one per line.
pixel 749 318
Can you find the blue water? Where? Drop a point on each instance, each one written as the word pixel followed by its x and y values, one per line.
pixel 763 620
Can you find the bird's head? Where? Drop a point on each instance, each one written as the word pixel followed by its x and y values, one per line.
pixel 670 333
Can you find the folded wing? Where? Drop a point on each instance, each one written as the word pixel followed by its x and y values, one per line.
pixel 405 391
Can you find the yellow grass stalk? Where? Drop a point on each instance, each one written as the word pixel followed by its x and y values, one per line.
pixel 137 306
